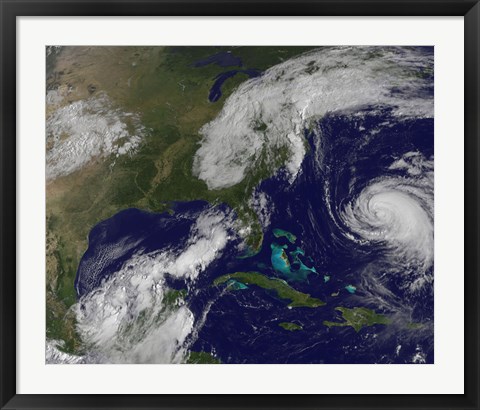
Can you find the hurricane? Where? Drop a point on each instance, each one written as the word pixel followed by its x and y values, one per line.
pixel 344 270
pixel 398 214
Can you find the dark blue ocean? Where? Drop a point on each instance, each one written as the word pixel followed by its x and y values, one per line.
pixel 242 325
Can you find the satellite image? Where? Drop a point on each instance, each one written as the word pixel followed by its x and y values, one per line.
pixel 247 204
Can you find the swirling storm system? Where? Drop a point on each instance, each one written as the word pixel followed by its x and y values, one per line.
pixel 240 205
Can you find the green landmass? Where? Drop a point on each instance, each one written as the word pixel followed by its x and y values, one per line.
pixel 174 297
pixel 282 289
pixel 236 285
pixel 202 358
pixel 170 95
pixel 290 326
pixel 358 318
pixel 279 233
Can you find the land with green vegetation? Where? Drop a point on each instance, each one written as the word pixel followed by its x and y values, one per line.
pixel 358 318
pixel 279 233
pixel 290 326
pixel 279 286
pixel 236 285
pixel 201 358
pixel 162 86
pixel 174 297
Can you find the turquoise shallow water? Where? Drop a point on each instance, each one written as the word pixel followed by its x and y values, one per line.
pixel 351 288
pixel 279 233
pixel 292 268
pixel 242 322
pixel 236 285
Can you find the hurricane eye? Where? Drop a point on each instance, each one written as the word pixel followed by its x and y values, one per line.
pixel 399 212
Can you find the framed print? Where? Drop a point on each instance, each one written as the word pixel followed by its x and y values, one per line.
pixel 213 204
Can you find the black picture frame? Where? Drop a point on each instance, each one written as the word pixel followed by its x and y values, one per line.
pixel 10 9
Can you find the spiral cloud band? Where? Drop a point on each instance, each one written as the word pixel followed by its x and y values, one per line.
pixel 398 212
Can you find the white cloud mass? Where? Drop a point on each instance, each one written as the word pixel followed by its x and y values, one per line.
pixel 288 96
pixel 126 319
pixel 87 129
pixel 398 211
